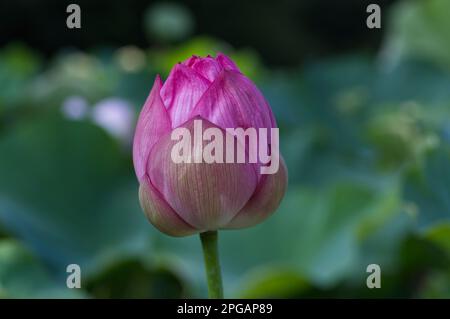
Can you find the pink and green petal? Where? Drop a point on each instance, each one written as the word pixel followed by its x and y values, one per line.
pixel 206 196
pixel 264 201
pixel 160 214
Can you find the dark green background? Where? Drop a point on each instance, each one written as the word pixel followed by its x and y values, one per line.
pixel 364 117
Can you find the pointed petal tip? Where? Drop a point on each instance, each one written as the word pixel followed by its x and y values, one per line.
pixel 181 92
pixel 232 101
pixel 153 121
pixel 158 81
pixel 227 63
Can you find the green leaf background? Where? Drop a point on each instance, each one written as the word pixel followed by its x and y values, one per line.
pixel 366 140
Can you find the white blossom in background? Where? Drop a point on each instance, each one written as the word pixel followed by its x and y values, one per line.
pixel 131 58
pixel 116 116
pixel 75 107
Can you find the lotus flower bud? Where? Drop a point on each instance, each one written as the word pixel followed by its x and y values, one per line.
pixel 195 157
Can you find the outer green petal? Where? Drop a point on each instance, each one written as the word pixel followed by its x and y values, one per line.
pixel 160 214
pixel 264 201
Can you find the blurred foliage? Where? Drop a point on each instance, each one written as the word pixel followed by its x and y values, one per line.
pixel 420 29
pixel 168 22
pixel 23 276
pixel 366 140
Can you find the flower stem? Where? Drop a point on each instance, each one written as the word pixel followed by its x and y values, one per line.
pixel 212 264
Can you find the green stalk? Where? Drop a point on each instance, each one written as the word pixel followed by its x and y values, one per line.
pixel 212 264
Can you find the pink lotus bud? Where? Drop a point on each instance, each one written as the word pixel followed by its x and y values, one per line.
pixel 198 166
